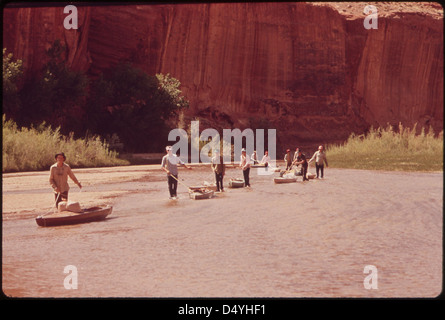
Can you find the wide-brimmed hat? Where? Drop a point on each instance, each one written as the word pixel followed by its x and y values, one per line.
pixel 60 154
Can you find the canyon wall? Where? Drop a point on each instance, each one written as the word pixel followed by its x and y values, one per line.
pixel 310 70
pixel 28 32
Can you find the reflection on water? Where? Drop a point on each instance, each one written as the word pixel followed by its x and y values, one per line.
pixel 290 240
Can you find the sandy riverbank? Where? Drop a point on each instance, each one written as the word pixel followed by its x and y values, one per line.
pixel 310 239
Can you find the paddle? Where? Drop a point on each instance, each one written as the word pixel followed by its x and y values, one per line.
pixel 287 171
pixel 53 206
pixel 189 189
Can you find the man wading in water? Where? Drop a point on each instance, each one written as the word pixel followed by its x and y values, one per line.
pixel 245 165
pixel 320 159
pixel 219 168
pixel 170 165
pixel 58 178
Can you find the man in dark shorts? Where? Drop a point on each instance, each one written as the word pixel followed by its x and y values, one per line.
pixel 170 165
pixel 219 168
pixel 58 178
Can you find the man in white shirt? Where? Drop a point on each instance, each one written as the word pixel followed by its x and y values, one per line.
pixel 170 165
pixel 297 150
pixel 254 158
pixel 266 159
pixel 245 165
pixel 320 158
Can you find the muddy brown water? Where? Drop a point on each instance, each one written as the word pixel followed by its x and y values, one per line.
pixel 310 239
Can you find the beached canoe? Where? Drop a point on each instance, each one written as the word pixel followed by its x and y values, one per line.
pixel 258 166
pixel 236 183
pixel 204 186
pixel 284 180
pixel 198 188
pixel 199 195
pixel 69 217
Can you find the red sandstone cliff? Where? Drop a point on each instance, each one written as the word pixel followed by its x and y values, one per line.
pixel 29 32
pixel 312 70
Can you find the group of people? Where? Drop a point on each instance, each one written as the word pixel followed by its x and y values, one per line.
pixel 60 171
pixel 300 159
pixel 171 161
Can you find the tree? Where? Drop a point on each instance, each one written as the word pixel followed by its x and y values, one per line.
pixel 127 102
pixel 124 103
pixel 171 86
pixel 12 73
pixel 58 95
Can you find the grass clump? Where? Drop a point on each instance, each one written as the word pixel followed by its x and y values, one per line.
pixel 31 149
pixel 399 149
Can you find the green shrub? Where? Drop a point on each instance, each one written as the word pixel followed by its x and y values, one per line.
pixel 389 149
pixel 27 149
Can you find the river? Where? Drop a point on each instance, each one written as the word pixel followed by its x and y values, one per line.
pixel 305 239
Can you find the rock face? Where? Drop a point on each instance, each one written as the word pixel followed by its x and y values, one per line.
pixel 29 32
pixel 312 71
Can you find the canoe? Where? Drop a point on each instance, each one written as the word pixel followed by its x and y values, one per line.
pixel 68 217
pixel 258 166
pixel 199 195
pixel 208 186
pixel 284 180
pixel 197 188
pixel 236 183
pixel 211 187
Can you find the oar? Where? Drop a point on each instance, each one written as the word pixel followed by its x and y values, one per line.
pixel 201 190
pixel 189 189
pixel 288 171
pixel 54 206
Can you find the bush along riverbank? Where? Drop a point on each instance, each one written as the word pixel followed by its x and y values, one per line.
pixel 32 149
pixel 395 149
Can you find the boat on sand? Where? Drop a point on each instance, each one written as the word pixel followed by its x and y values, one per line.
pixel 258 166
pixel 204 186
pixel 69 217
pixel 285 179
pixel 201 194
pixel 236 183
